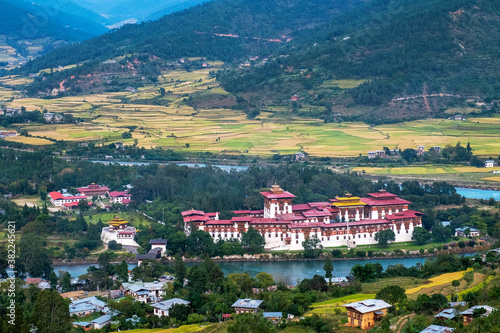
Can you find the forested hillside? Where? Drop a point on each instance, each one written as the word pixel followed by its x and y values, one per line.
pixel 400 47
pixel 33 29
pixel 221 29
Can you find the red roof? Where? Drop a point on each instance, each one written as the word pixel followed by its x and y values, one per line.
pixel 33 280
pixel 93 188
pixel 301 207
pixel 305 225
pixel 261 220
pixel 315 212
pixel 356 223
pixel 403 215
pixel 290 217
pixel 382 194
pixel 319 204
pixel 218 222
pixel 241 219
pixel 125 232
pixel 192 212
pixel 196 218
pixel 212 214
pixel 226 315
pixel 59 196
pixel 74 204
pixel 282 195
pixel 115 194
pixel 383 202
pixel 126 201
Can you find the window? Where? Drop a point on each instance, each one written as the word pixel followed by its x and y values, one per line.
pixel 337 237
pixel 344 237
pixel 296 242
pixel 365 235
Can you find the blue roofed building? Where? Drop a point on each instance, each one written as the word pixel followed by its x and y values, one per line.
pixel 447 314
pixel 273 316
pixel 246 305
pixel 100 322
pixel 161 308
pixel 437 329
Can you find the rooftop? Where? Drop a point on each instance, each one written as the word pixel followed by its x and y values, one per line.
pixel 447 313
pixel 247 303
pixel 368 305
pixel 272 314
pixel 158 241
pixel 437 329
pixel 470 311
pixel 166 305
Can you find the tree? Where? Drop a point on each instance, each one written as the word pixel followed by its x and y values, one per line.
pixel 51 313
pixel 104 261
pixel 312 247
pixel 34 258
pixel 383 237
pixel 179 312
pixel 391 294
pixel 121 271
pixel 126 135
pixel 251 323
pixel 161 91
pixel 440 233
pixel 179 268
pixel 264 279
pixel 420 235
pixel 252 241
pixel 83 206
pixel 328 267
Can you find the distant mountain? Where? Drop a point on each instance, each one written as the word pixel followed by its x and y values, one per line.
pixel 120 11
pixel 74 9
pixel 221 29
pixel 33 29
pixel 437 48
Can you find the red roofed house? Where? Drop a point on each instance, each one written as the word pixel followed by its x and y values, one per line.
pixel 346 220
pixel 118 197
pixel 93 190
pixel 58 199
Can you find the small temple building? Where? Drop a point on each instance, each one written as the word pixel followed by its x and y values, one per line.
pixel 120 232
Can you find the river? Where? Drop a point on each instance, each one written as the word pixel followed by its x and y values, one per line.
pixel 191 165
pixel 286 271
pixel 473 193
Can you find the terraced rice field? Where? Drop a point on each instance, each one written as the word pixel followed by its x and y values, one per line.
pixel 426 170
pixel 328 307
pixel 438 281
pixel 178 125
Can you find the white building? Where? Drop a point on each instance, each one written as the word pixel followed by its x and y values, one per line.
pixel 120 232
pixel 161 309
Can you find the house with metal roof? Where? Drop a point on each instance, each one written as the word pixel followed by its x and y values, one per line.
pixel 161 308
pixel 461 232
pixel 273 316
pixel 365 313
pixel 447 314
pixel 147 292
pixel 83 324
pixel 468 314
pixel 246 305
pixel 437 329
pixel 100 322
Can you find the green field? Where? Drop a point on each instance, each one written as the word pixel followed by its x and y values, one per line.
pixel 171 123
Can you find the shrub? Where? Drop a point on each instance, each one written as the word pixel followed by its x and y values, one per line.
pixel 360 254
pixel 337 254
pixel 445 247
pixel 471 243
pixel 461 244
pixel 430 250
pixel 370 253
pixel 422 251
pixel 452 245
pixel 398 252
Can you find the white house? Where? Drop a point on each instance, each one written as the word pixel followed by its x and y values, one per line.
pixel 120 197
pixel 58 199
pixel 489 164
pixel 161 308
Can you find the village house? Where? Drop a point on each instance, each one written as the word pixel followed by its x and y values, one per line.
pixel 343 221
pixel 437 149
pixel 161 308
pixel 462 232
pixel 87 326
pixel 146 292
pixel 447 314
pixel 420 150
pixel 158 250
pixel 468 314
pixel 100 322
pixel 93 190
pixel 365 313
pixel 59 199
pixel 86 306
pixel 120 197
pixel 273 316
pixel 437 329
pixel 372 154
pixel 300 156
pixel 490 164
pixel 4 134
pixel 246 305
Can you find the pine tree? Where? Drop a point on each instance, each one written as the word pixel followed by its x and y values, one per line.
pixel 328 267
